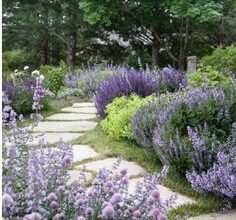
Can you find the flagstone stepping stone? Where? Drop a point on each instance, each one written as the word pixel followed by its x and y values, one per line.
pixel 70 117
pixel 83 104
pixel 52 138
pixel 65 126
pixel 85 110
pixel 82 152
pixel 231 215
pixel 75 175
pixel 132 168
pixel 165 193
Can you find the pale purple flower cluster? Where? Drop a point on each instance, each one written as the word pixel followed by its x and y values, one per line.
pixel 220 177
pixel 108 198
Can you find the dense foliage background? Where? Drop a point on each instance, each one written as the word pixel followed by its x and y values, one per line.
pixel 80 31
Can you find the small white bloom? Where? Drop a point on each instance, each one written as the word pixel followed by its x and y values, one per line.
pixel 16 71
pixel 41 77
pixel 26 68
pixel 36 72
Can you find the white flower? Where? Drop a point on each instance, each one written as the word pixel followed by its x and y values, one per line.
pixel 41 77
pixel 16 70
pixel 26 68
pixel 35 72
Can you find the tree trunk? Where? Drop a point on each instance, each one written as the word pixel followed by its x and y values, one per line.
pixel 72 38
pixel 71 50
pixel 155 53
pixel 45 46
pixel 45 51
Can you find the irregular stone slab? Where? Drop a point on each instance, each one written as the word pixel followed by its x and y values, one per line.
pixel 83 104
pixel 132 168
pixel 85 110
pixel 52 138
pixel 70 117
pixel 165 193
pixel 75 175
pixel 82 152
pixel 65 126
pixel 231 215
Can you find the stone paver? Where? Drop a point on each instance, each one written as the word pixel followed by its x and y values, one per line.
pixel 70 117
pixel 82 152
pixel 231 215
pixel 75 175
pixel 85 110
pixel 53 138
pixel 132 168
pixel 165 192
pixel 83 104
pixel 65 126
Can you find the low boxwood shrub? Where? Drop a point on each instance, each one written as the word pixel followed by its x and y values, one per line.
pixel 117 123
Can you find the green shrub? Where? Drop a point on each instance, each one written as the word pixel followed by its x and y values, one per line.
pixel 207 76
pixel 54 77
pixel 221 58
pixel 23 102
pixel 117 123
pixel 16 59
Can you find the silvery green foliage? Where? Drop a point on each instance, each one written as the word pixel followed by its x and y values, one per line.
pixel 66 92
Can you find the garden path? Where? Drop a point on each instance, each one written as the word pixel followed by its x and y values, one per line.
pixel 80 117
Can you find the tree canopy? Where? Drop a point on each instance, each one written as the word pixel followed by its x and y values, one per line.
pixel 79 31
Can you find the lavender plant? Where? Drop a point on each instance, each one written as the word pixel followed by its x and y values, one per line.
pixel 123 84
pixel 93 77
pixel 168 79
pixel 220 177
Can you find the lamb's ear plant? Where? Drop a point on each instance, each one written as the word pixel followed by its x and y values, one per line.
pixel 35 181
